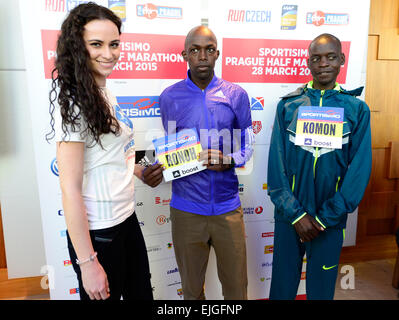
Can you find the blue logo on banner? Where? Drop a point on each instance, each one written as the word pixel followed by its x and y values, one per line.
pixel 140 106
pixel 257 103
pixel 122 117
pixel 71 4
pixel 54 167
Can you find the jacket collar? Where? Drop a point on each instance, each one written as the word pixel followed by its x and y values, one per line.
pixel 301 90
pixel 193 86
pixel 309 85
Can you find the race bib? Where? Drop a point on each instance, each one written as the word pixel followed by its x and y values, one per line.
pixel 179 154
pixel 319 127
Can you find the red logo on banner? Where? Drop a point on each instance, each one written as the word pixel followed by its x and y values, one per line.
pixel 318 18
pixel 270 61
pixel 256 126
pixel 150 11
pixel 162 220
pixel 267 234
pixel 55 5
pixel 143 56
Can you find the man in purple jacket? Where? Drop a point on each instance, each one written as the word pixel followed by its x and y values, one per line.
pixel 205 207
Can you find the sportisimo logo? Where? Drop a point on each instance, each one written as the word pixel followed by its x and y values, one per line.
pixel 140 106
pixel 54 167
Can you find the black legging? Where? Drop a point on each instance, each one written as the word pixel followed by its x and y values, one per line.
pixel 122 253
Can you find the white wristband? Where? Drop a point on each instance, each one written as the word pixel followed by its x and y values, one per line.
pixel 91 258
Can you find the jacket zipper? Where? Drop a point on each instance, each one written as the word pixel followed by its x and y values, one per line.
pixel 317 148
pixel 210 171
pixel 293 184
pixel 336 186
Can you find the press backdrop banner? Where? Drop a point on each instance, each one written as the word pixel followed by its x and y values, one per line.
pixel 263 48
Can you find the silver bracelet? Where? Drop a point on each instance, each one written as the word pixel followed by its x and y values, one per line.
pixel 91 258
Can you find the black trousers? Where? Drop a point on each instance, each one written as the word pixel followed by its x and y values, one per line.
pixel 122 253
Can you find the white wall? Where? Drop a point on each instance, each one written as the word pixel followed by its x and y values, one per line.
pixel 18 185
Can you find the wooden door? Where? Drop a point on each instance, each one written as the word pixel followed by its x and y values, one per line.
pixel 379 209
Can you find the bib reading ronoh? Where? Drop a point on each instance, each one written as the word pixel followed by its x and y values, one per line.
pixel 179 154
pixel 319 127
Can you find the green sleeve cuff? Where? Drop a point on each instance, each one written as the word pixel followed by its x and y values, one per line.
pixel 299 218
pixel 321 223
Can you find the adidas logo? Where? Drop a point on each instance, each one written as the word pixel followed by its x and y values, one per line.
pixel 220 94
pixel 176 174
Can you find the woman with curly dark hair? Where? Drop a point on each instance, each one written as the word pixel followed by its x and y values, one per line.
pixel 96 160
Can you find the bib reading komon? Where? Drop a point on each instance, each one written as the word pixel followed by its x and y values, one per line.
pixel 319 127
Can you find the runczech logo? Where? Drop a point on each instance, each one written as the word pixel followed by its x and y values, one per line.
pixel 55 5
pixel 249 16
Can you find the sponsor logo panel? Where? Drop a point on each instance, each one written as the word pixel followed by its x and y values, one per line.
pixel 249 16
pixel 288 17
pixel 118 7
pixel 151 11
pixel 319 18
pixel 139 106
